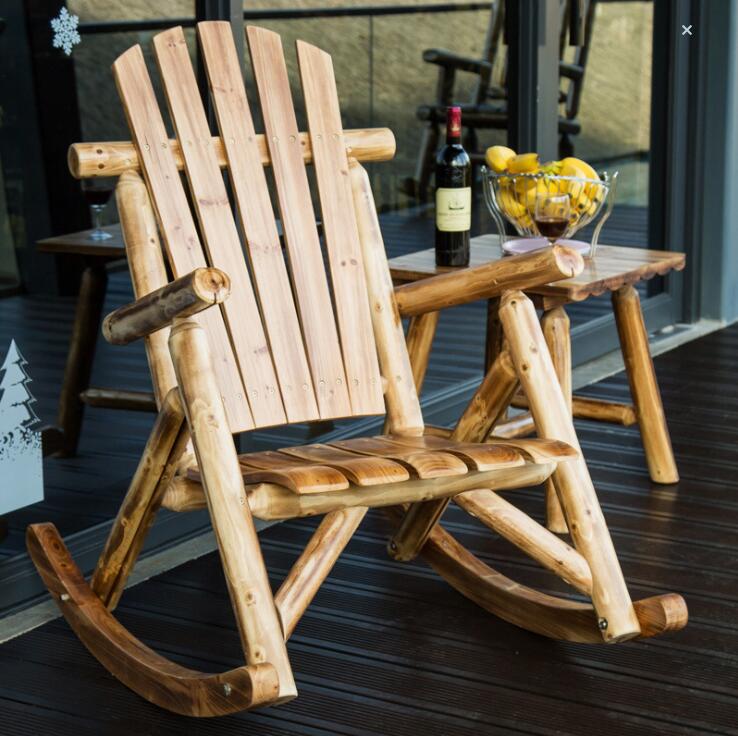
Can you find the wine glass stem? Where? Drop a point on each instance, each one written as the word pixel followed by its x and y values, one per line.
pixel 96 211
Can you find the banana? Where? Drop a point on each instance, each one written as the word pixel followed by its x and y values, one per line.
pixel 524 163
pixel 572 166
pixel 497 158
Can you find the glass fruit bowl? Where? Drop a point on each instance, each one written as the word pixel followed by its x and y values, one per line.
pixel 521 198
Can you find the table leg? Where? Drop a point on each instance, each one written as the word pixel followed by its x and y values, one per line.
pixel 555 325
pixel 420 336
pixel 643 386
pixel 495 335
pixel 81 354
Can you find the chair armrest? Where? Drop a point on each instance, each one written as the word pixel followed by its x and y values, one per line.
pixel 488 280
pixel 448 59
pixel 183 297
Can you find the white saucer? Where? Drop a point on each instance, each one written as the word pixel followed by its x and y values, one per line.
pixel 528 245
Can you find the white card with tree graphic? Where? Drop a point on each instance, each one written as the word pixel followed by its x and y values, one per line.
pixel 21 467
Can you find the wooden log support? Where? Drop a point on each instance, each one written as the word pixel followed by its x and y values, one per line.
pixel 184 297
pixel 489 403
pixel 494 336
pixel 617 620
pixel 113 398
pixel 529 536
pixel 643 386
pixel 243 565
pixel 596 410
pixel 521 425
pixel 158 464
pixel 159 680
pixel 488 280
pixel 420 334
pixel 114 158
pixel 315 563
pixel 148 271
pixel 555 326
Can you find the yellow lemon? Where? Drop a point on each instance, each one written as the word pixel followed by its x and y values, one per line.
pixel 497 158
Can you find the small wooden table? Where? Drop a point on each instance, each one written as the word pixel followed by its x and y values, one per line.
pixel 97 255
pixel 614 269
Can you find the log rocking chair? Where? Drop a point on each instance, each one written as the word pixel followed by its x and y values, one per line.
pixel 248 336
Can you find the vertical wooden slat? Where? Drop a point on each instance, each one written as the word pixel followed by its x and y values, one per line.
pixel 175 219
pixel 339 226
pixel 257 219
pixel 298 222
pixel 210 200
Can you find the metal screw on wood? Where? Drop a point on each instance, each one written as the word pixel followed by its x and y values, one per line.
pixel 602 623
pixel 64 597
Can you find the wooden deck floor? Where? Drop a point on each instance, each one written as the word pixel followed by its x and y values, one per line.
pixel 388 649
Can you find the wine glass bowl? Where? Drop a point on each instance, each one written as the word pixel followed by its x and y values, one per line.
pixel 97 193
pixel 515 198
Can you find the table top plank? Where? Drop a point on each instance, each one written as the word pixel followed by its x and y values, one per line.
pixel 612 268
pixel 80 243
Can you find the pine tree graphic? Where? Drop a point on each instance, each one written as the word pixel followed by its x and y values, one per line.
pixel 21 469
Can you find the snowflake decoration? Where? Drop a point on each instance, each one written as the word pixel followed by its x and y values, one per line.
pixel 65 30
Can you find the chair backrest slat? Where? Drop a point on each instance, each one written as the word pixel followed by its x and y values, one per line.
pixel 257 220
pixel 298 223
pixel 219 233
pixel 175 218
pixel 341 233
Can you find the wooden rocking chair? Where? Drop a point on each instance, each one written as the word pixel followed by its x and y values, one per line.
pixel 261 346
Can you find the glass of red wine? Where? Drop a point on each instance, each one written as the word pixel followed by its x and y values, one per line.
pixel 552 215
pixel 97 193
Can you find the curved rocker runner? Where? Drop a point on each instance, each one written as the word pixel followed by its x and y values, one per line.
pixel 239 341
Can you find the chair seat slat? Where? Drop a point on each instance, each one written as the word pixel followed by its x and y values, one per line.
pixel 298 222
pixel 175 219
pixel 257 219
pixel 220 236
pixel 341 232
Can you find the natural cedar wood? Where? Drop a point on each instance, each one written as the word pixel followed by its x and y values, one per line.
pixel 245 574
pixel 494 339
pixel 487 280
pixel 298 223
pixel 300 477
pixel 403 408
pixel 577 494
pixel 218 228
pixel 340 230
pixel 184 297
pixel 159 680
pixel 112 398
pixel 314 564
pixel 175 219
pixel 359 469
pixel 601 410
pixel 555 325
pixel 489 403
pixel 614 267
pixel 643 386
pixel 147 268
pixel 420 334
pixel 263 246
pixel 528 535
pixel 114 158
pixel 521 425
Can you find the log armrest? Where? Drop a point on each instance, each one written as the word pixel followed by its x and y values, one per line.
pixel 183 297
pixel 488 280
pixel 448 59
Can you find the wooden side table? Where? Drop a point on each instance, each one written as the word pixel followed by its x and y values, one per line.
pixel 614 269
pixel 98 256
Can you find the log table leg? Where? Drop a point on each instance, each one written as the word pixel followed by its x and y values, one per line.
pixel 555 325
pixel 79 362
pixel 643 386
pixel 495 336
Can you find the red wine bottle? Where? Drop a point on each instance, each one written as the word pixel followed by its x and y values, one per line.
pixel 453 196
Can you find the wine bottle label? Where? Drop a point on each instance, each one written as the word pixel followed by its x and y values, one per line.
pixel 453 209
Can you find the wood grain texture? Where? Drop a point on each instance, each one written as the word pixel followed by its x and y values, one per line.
pixel 113 398
pixel 403 408
pixel 487 280
pixel 147 268
pixel 340 230
pixel 243 566
pixel 184 297
pixel 577 494
pixel 298 223
pixel 219 233
pixel 420 334
pixel 263 246
pixel 643 386
pixel 158 680
pixel 314 564
pixel 114 158
pixel 158 464
pixel 360 469
pixel 614 267
pixel 175 219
